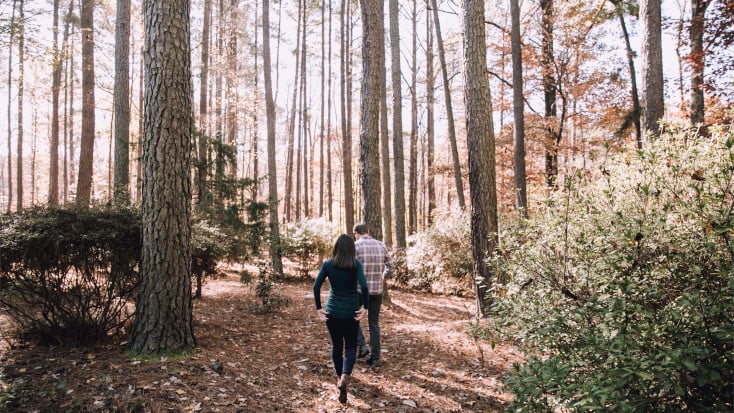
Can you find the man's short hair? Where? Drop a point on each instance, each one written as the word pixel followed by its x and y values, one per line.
pixel 361 229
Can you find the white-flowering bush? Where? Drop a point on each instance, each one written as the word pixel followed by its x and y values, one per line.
pixel 621 291
pixel 308 242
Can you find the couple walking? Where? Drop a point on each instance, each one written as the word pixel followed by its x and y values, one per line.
pixel 355 272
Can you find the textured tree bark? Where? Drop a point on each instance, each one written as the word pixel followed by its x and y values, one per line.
pixel 413 160
pixel 480 139
pixel 345 106
pixel 430 178
pixel 275 247
pixel 652 67
pixel 86 147
pixel 163 318
pixel 397 125
pixel 202 167
pixel 518 106
pixel 122 103
pixel 373 60
pixel 697 59
pixel 53 168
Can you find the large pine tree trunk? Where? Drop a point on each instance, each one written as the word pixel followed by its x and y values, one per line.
pixel 86 154
pixel 122 103
pixel 652 67
pixel 449 109
pixel 275 247
pixel 373 58
pixel 480 139
pixel 164 316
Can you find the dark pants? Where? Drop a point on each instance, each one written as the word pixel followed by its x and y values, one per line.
pixel 373 321
pixel 343 334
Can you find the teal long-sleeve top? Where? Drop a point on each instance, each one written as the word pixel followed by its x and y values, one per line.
pixel 343 298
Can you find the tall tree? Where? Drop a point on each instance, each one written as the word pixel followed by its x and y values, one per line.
pixel 164 311
pixel 86 154
pixel 329 173
pixel 345 109
pixel 21 74
pixel 552 136
pixel 275 247
pixel 373 58
pixel 385 157
pixel 322 110
pixel 397 124
pixel 201 162
pixel 652 66
pixel 518 106
pixel 413 157
pixel 11 40
pixel 231 79
pixel 449 108
pixel 636 110
pixel 430 144
pixel 53 168
pixel 122 103
pixel 697 59
pixel 480 139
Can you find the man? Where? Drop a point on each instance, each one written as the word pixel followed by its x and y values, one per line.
pixel 378 265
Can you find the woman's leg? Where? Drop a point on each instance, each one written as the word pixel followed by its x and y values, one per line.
pixel 350 344
pixel 336 331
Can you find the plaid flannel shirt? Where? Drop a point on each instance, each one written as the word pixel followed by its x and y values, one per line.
pixel 376 260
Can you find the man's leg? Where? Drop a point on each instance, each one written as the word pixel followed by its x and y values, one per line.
pixel 373 319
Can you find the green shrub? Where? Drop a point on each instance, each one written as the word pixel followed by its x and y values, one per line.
pixel 621 290
pixel 439 258
pixel 67 273
pixel 308 242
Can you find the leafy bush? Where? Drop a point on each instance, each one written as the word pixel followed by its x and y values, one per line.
pixel 308 242
pixel 439 259
pixel 621 290
pixel 67 273
pixel 267 299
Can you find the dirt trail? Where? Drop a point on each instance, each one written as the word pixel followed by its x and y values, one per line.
pixel 273 362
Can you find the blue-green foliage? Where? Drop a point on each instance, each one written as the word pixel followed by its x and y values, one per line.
pixel 621 290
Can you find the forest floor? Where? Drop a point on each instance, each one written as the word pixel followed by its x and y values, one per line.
pixel 277 361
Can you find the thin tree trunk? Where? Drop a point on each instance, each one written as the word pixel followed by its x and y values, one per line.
pixel 549 90
pixel 292 123
pixel 231 79
pixel 21 73
pixel 255 127
pixel 413 170
pixel 86 155
pixel 636 110
pixel 697 58
pixel 652 67
pixel 275 245
pixel 431 180
pixel 203 143
pixel 449 109
pixel 11 34
pixel 122 103
pixel 397 124
pixel 304 113
pixel 329 172
pixel 53 168
pixel 518 106
pixel 385 156
pixel 373 16
pixel 322 109
pixel 345 103
pixel 481 145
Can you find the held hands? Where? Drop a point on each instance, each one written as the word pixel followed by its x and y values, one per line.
pixel 359 314
pixel 321 314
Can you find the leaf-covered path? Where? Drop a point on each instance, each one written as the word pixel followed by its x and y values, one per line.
pixel 276 361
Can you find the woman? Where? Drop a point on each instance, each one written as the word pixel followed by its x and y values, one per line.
pixel 342 311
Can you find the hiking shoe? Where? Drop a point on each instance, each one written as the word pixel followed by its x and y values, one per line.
pixel 342 385
pixel 363 351
pixel 374 363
